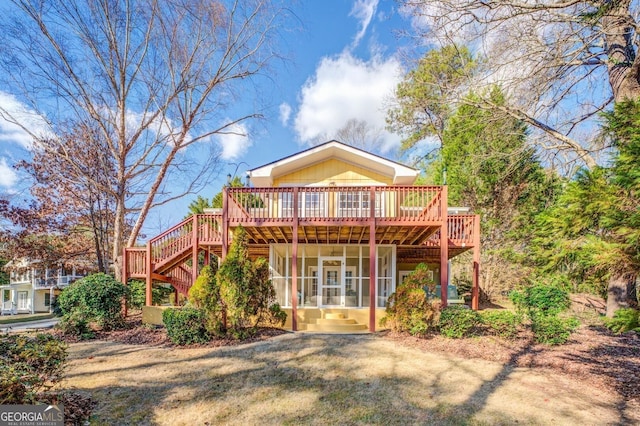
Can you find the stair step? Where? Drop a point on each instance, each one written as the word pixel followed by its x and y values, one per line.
pixel 337 328
pixel 336 321
pixel 334 316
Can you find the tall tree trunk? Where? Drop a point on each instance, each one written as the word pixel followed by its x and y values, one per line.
pixel 118 235
pixel 622 63
pixel 621 286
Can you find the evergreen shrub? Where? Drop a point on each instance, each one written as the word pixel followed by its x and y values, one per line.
pixel 408 307
pixel 95 298
pixel 503 323
pixel 457 322
pixel 552 329
pixel 185 326
pixel 627 319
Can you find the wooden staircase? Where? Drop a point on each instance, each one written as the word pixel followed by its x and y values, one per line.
pixel 169 257
pixel 336 323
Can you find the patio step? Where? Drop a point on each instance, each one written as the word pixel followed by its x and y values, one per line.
pixel 336 323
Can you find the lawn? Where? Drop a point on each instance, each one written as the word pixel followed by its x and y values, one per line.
pixel 323 379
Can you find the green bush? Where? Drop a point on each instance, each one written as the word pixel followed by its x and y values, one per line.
pixel 408 307
pixel 552 329
pixel 205 294
pixel 96 298
pixel 541 298
pixel 138 294
pixel 457 322
pixel 28 365
pixel 76 324
pixel 185 326
pixel 247 295
pixel 277 317
pixel 624 320
pixel 504 324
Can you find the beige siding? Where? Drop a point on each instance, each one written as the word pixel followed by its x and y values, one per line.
pixel 332 172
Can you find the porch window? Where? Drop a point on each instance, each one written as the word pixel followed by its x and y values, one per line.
pixel 286 204
pixel 310 204
pixel 356 204
pixel 47 299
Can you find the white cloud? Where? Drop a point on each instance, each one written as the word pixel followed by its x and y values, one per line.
pixel 363 11
pixel 234 142
pixel 8 176
pixel 345 88
pixel 285 113
pixel 12 110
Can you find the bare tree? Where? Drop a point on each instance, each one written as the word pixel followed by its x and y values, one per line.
pixel 361 134
pixel 560 62
pixel 358 133
pixel 74 177
pixel 155 78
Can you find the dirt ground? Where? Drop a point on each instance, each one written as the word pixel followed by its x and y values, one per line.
pixel 382 378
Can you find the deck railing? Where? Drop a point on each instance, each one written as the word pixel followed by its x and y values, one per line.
pixel 135 261
pixel 460 230
pixel 404 203
pixel 174 242
pixel 388 204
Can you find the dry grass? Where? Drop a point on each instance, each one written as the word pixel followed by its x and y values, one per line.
pixel 316 379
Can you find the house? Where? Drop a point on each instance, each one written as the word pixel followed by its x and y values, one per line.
pixel 32 287
pixel 340 227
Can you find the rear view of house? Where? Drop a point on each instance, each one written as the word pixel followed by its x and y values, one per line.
pixel 340 227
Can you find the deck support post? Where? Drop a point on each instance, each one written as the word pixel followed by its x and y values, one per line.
pixel 194 249
pixel 294 263
pixel 372 260
pixel 149 280
pixel 225 223
pixel 475 289
pixel 444 247
pixel 207 256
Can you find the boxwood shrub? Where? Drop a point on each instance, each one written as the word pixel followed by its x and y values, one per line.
pixel 503 323
pixel 552 329
pixel 457 322
pixel 186 326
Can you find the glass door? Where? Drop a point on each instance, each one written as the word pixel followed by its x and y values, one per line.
pixel 23 300
pixel 332 283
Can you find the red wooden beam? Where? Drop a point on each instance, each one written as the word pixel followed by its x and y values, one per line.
pixel 225 222
pixel 475 290
pixel 294 263
pixel 444 249
pixel 149 280
pixel 194 249
pixel 372 261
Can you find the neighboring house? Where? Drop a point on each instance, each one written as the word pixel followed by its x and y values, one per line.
pixel 341 228
pixel 32 288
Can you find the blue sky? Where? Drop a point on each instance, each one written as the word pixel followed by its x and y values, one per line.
pixel 343 62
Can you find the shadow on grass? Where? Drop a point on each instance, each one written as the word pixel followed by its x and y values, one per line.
pixel 310 379
pixel 292 379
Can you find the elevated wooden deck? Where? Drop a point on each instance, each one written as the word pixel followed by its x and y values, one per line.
pixel 410 217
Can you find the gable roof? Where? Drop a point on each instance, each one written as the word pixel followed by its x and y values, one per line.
pixel 400 174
